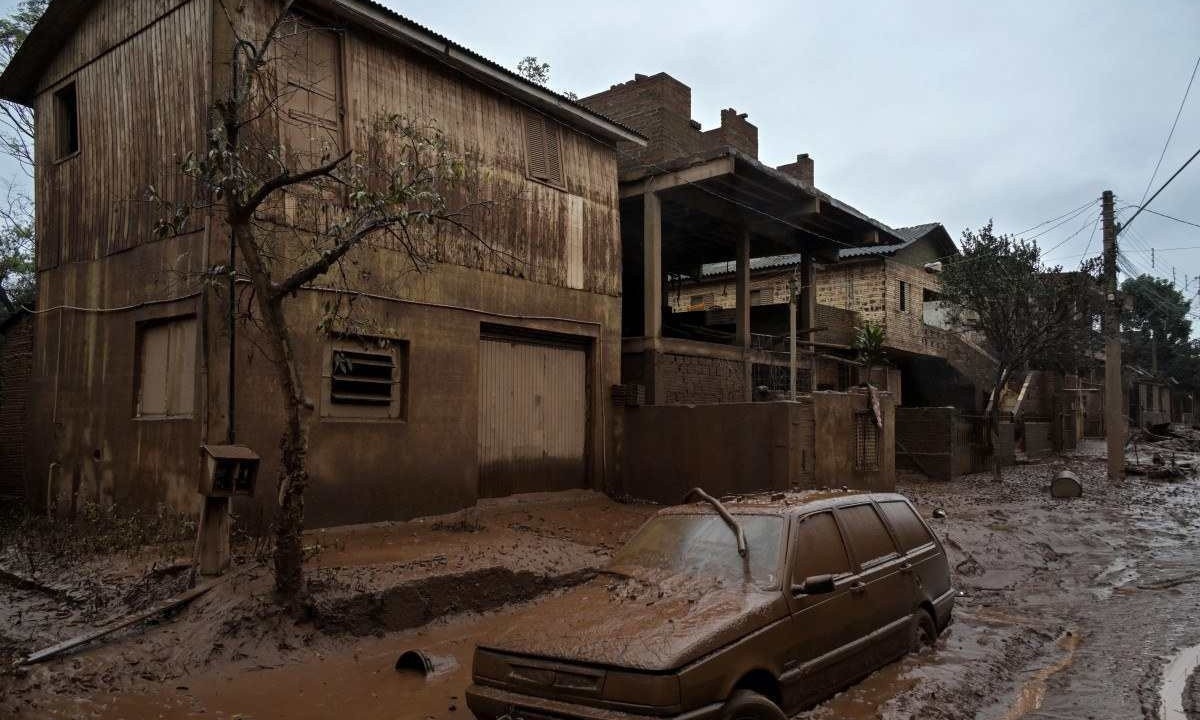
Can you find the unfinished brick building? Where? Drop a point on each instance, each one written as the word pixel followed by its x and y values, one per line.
pixel 691 198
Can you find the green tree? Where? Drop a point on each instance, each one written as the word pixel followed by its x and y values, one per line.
pixel 536 71
pixel 869 339
pixel 1155 322
pixel 1027 310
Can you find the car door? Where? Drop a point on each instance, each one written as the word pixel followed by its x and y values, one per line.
pixel 823 652
pixel 883 580
pixel 930 573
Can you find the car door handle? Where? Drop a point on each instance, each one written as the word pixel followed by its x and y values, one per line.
pixel 858 588
pixel 906 567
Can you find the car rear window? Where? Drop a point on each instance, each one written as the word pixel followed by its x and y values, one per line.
pixel 868 537
pixel 819 548
pixel 703 545
pixel 909 529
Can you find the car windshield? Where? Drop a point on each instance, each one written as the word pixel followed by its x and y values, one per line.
pixel 705 545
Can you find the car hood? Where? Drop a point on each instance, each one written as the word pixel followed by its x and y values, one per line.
pixel 638 624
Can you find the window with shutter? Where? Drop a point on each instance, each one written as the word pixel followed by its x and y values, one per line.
pixel 166 368
pixel 543 152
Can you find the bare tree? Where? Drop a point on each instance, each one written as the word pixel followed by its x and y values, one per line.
pixel 16 141
pixel 1026 310
pixel 298 204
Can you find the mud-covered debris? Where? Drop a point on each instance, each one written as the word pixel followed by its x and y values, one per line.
pixel 1066 485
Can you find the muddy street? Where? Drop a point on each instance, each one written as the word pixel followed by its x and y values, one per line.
pixel 1082 608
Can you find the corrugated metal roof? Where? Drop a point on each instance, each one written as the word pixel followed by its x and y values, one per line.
pixel 909 234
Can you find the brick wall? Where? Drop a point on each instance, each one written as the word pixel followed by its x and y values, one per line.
pixel 765 289
pixel 872 289
pixel 660 108
pixel 16 362
pixel 694 380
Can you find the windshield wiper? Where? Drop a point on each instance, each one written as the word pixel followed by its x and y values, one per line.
pixel 733 524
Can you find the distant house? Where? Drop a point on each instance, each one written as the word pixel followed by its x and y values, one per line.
pixel 488 375
pixel 894 285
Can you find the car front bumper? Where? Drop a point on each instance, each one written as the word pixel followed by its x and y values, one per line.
pixel 489 703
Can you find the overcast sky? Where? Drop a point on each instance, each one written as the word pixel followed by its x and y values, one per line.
pixel 913 111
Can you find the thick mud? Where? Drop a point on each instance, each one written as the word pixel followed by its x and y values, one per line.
pixel 1069 609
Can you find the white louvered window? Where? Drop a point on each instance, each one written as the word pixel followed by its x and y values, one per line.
pixel 543 151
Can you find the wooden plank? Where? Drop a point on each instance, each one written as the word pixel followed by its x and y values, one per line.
pixel 123 622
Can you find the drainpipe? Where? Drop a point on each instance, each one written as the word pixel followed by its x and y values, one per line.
pixel 232 392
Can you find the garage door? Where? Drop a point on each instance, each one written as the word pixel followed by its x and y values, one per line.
pixel 532 417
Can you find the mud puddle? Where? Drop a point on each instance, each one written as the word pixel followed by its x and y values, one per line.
pixel 1174 684
pixel 361 682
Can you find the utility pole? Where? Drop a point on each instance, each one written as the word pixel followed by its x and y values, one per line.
pixel 1114 416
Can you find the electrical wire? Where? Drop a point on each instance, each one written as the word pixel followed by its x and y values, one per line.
pixel 1171 134
pixel 1157 192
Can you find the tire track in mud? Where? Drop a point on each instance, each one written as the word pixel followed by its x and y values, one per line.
pixel 1033 691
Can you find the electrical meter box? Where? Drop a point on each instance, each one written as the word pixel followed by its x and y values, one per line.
pixel 228 470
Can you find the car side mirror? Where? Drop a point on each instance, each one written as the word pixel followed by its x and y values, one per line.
pixel 814 585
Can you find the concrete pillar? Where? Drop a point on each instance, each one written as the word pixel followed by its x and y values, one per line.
pixel 808 299
pixel 742 271
pixel 652 266
pixel 742 313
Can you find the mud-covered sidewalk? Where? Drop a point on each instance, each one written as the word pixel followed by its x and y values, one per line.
pixel 1069 609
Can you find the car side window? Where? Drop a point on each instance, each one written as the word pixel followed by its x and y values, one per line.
pixel 909 529
pixel 819 548
pixel 869 539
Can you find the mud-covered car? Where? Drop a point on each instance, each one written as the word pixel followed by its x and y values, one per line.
pixel 752 608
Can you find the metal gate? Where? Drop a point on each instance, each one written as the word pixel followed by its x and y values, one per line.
pixel 532 417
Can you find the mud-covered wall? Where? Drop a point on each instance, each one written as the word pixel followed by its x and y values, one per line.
pixel 16 363
pixel 836 417
pixel 731 448
pixel 925 439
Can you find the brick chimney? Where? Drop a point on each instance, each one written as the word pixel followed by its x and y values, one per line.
pixel 802 169
pixel 737 131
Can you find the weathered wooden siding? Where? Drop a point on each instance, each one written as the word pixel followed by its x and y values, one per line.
pixel 141 108
pixel 534 230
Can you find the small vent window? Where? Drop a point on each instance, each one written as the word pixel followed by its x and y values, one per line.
pixel 866 442
pixel 360 378
pixel 364 383
pixel 903 295
pixel 66 121
pixel 543 154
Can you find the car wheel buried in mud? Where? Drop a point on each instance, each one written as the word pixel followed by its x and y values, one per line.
pixel 750 609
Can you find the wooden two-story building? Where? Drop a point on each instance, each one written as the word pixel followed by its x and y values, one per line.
pixel 499 363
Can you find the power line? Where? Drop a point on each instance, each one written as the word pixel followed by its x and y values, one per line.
pixel 1060 217
pixel 1164 215
pixel 1159 190
pixel 1171 134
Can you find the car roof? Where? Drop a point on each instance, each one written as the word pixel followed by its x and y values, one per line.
pixel 795 502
